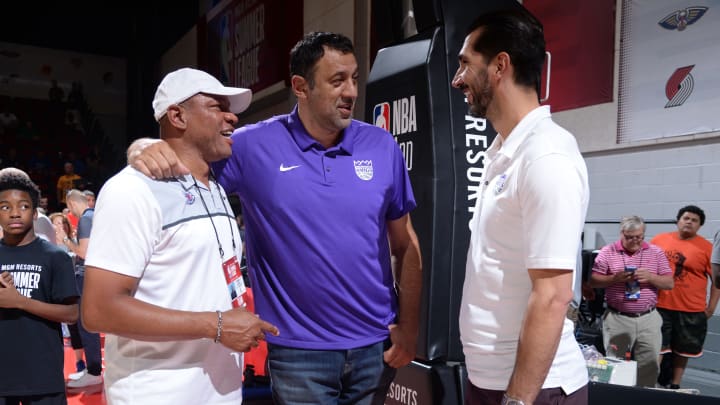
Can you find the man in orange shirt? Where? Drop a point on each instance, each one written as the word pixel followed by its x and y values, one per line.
pixel 685 309
pixel 715 259
pixel 66 182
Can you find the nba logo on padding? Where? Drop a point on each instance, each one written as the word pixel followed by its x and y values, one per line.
pixel 381 116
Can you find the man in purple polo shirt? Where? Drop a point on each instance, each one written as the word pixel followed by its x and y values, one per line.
pixel 632 271
pixel 325 201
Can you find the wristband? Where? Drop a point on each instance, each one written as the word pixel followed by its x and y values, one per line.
pixel 219 327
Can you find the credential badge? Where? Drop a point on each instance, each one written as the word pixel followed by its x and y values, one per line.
pixel 364 169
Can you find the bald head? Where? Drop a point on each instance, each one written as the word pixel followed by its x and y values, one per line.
pixel 76 196
pixel 76 202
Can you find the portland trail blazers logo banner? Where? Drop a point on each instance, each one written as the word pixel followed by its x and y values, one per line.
pixel 679 86
pixel 669 64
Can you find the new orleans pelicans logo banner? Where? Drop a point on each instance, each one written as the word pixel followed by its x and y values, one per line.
pixel 669 69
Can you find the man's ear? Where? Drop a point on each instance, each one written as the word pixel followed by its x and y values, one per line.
pixel 501 65
pixel 176 116
pixel 300 86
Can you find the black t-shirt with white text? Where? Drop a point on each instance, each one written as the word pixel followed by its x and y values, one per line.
pixel 31 348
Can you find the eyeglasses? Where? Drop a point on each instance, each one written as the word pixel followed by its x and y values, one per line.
pixel 634 237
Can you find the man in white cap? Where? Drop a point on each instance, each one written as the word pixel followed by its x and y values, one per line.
pixel 166 294
pixel 326 203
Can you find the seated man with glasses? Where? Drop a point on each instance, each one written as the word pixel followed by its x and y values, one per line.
pixel 632 271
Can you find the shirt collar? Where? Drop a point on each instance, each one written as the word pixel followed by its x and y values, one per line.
pixel 188 182
pixel 304 141
pixel 522 130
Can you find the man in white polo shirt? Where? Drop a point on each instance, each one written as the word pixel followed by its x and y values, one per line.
pixel 162 268
pixel 519 346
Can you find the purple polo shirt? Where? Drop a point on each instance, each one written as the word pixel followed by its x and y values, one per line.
pixel 315 218
pixel 613 258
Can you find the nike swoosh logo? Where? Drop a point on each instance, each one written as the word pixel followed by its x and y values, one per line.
pixel 284 168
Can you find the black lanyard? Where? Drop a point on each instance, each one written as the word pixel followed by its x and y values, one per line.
pixel 217 237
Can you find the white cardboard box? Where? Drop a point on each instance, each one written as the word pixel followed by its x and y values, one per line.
pixel 613 371
pixel 624 371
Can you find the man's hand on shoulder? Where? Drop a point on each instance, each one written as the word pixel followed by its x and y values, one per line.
pixel 402 351
pixel 242 330
pixel 154 158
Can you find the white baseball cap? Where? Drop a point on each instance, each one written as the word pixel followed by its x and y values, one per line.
pixel 184 83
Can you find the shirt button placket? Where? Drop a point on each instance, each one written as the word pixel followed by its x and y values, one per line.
pixel 327 163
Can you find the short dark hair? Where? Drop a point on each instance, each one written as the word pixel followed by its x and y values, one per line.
pixel 16 181
pixel 693 209
pixel 306 52
pixel 518 33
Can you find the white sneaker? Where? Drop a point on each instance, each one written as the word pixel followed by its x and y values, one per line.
pixel 77 376
pixel 85 380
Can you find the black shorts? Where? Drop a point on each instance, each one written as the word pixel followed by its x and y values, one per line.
pixel 683 333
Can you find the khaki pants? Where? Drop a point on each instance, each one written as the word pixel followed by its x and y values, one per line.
pixel 641 336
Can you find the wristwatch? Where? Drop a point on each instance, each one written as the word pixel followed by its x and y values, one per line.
pixel 65 239
pixel 506 400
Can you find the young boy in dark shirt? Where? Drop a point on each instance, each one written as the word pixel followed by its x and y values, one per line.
pixel 37 293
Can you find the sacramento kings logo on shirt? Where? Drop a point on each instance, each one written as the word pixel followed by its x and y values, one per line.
pixel 363 169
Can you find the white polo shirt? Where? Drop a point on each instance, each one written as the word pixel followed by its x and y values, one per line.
pixel 160 233
pixel 529 215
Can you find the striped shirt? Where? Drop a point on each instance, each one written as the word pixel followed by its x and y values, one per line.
pixel 613 258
